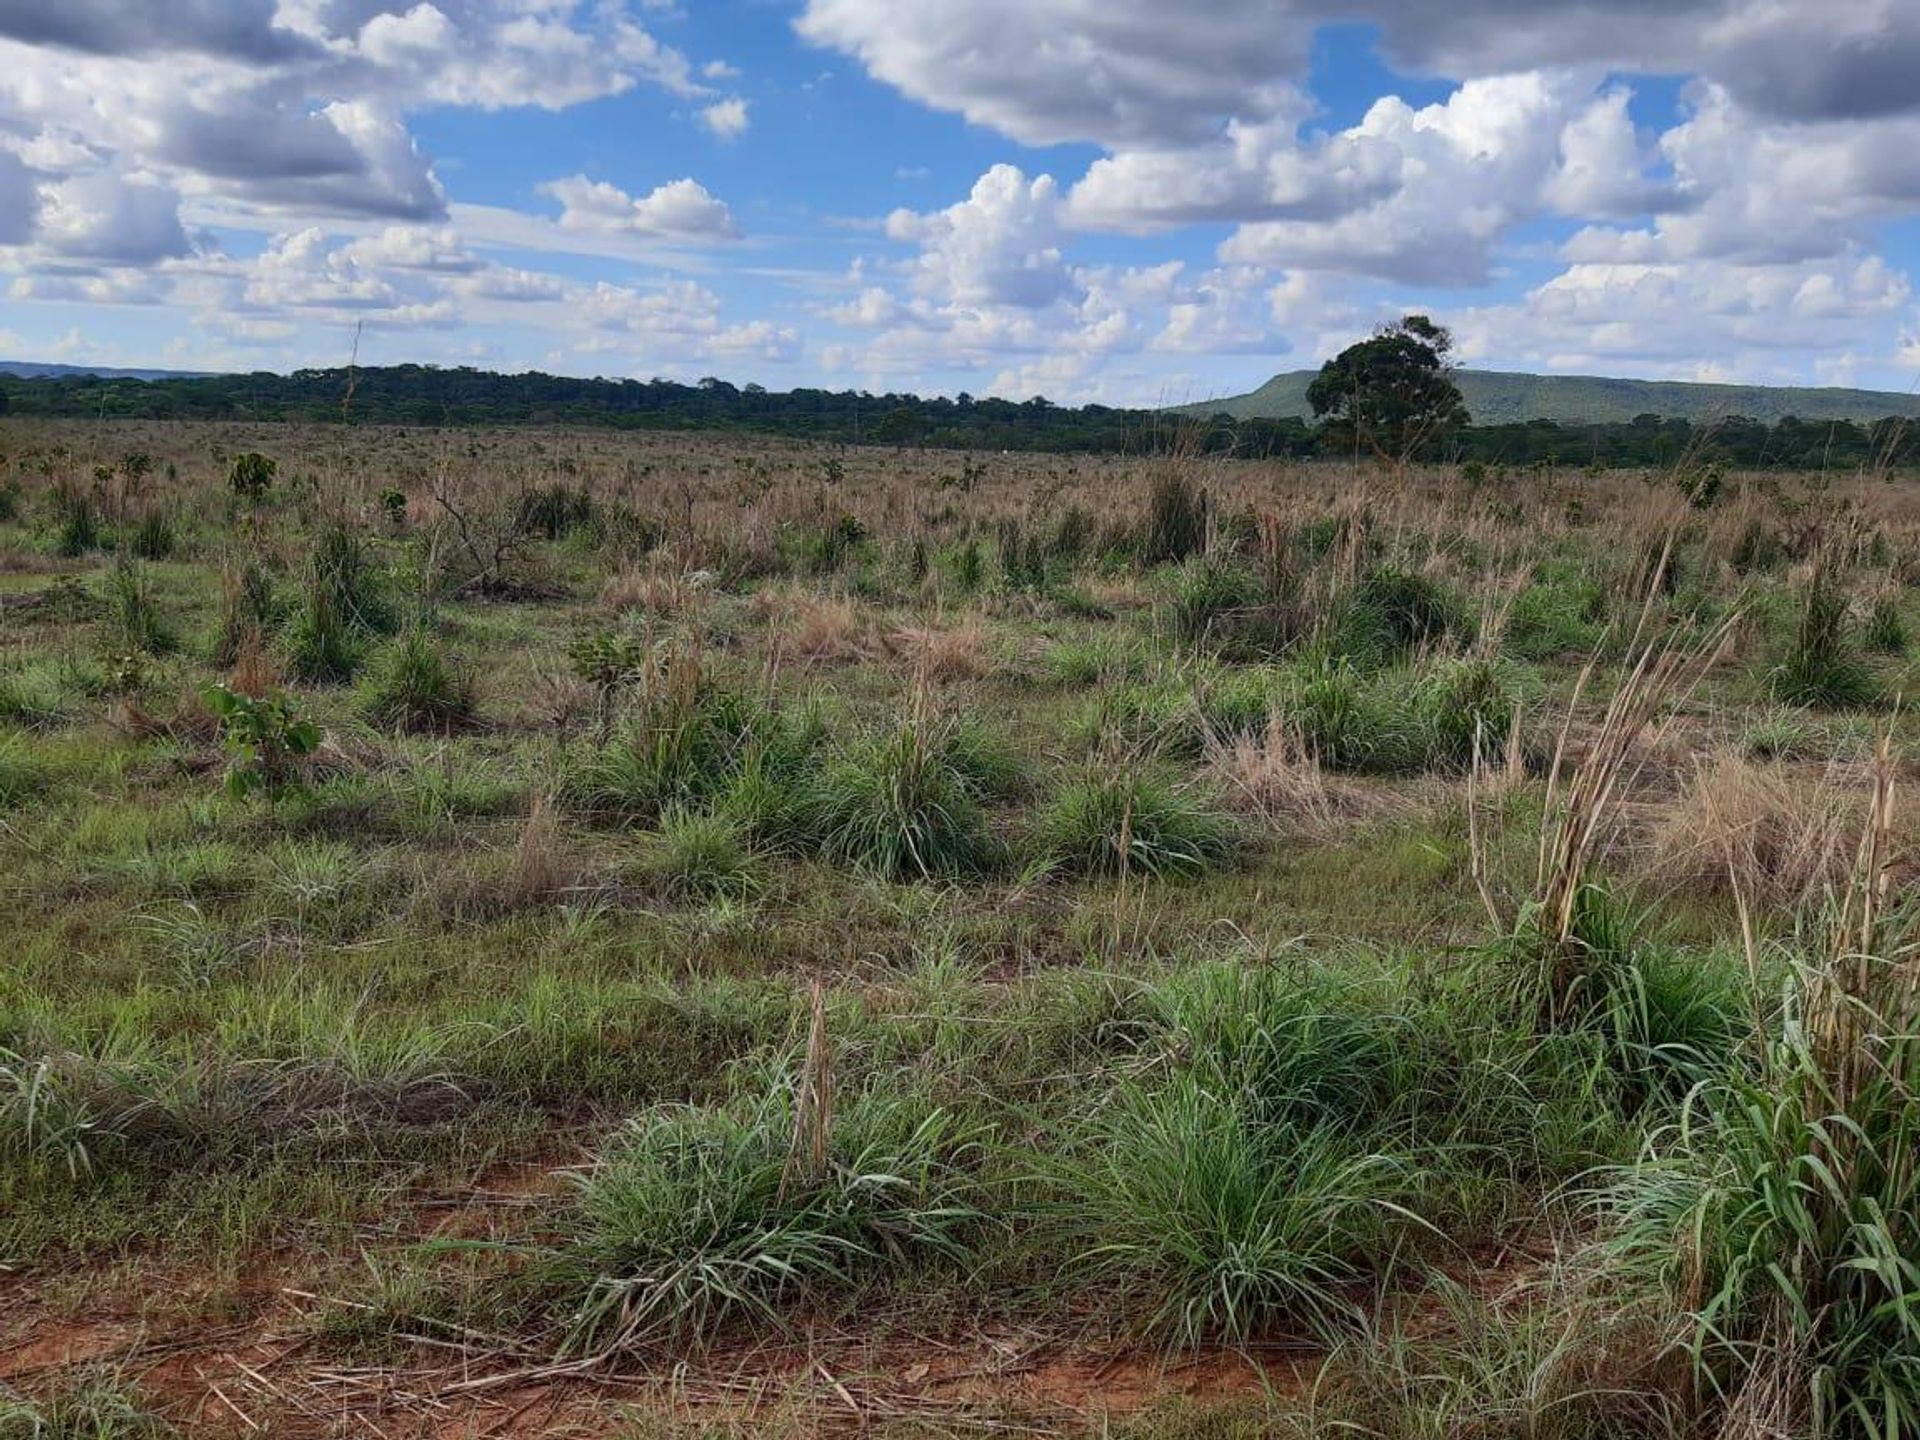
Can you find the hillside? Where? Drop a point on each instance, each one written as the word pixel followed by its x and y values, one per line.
pixel 40 370
pixel 1498 397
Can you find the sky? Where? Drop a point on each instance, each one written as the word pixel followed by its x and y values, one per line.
pixel 1122 201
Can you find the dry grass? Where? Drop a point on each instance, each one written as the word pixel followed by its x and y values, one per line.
pixel 1782 837
pixel 942 653
pixel 541 868
pixel 1275 778
pixel 815 629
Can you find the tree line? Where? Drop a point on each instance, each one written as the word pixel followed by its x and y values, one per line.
pixel 1388 397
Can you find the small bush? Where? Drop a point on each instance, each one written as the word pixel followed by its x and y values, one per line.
pixel 1132 823
pixel 415 685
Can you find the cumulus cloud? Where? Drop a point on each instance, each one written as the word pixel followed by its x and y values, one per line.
pixel 678 210
pixel 726 119
pixel 114 218
pixel 241 29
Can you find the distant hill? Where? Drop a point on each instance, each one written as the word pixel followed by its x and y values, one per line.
pixel 1497 397
pixel 39 370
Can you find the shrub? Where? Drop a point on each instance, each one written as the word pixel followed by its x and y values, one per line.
pixel 265 737
pixel 415 685
pixel 1131 823
pixel 250 476
pixel 696 1216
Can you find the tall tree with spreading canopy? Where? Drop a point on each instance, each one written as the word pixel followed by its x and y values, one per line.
pixel 1393 392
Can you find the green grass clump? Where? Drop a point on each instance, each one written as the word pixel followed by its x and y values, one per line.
pixel 696 1216
pixel 699 856
pixel 1348 720
pixel 1467 705
pixel 343 603
pixel 1393 612
pixel 21 777
pixel 134 623
pixel 680 748
pixel 1779 1219
pixel 47 691
pixel 905 804
pixel 415 685
pixel 1823 665
pixel 92 1407
pixel 1131 822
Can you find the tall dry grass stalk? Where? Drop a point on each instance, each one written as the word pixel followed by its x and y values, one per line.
pixel 812 1100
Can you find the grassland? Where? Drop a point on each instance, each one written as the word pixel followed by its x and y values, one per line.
pixel 558 933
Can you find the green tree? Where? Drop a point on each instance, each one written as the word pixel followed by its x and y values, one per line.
pixel 1393 392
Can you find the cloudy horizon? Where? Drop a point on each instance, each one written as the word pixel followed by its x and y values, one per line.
pixel 1010 197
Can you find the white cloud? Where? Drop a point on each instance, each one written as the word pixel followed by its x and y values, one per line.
pixel 726 119
pixel 678 210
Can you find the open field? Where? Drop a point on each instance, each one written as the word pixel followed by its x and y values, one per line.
pixel 536 932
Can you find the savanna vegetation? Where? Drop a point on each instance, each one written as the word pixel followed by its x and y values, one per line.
pixel 555 931
pixel 422 395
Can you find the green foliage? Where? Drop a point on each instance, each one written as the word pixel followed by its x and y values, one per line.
pixel 248 609
pixel 343 602
pixel 1466 704
pixel 250 476
pixel 1348 720
pixel 151 537
pixel 905 804
pixel 1823 665
pixel 1781 1215
pixel 1131 822
pixel 133 617
pixel 554 511
pixel 1175 526
pixel 265 737
pixel 1392 394
pixel 76 523
pixel 1393 612
pixel 415 685
pixel 697 1216
pixel 698 856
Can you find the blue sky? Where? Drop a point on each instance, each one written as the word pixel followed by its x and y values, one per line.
pixel 1114 201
